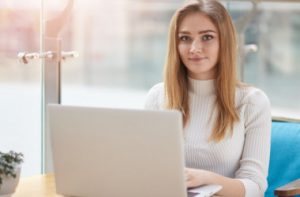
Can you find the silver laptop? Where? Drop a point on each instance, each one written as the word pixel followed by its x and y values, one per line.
pixel 101 152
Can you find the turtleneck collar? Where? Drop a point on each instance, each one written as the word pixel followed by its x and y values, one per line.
pixel 202 87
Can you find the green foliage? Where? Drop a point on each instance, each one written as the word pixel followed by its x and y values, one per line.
pixel 8 163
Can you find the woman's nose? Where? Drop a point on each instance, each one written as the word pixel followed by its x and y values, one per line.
pixel 196 47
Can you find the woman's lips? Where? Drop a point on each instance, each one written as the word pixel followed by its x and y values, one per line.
pixel 197 59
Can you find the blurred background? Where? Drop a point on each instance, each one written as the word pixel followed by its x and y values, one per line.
pixel 122 46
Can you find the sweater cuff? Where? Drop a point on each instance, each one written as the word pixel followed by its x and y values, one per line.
pixel 251 188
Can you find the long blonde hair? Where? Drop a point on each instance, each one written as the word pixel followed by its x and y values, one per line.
pixel 175 73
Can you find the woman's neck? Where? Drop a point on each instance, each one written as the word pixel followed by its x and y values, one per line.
pixel 202 87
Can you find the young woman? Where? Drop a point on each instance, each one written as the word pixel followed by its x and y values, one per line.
pixel 226 124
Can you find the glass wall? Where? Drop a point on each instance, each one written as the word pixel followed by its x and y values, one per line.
pixel 273 28
pixel 20 84
pixel 121 47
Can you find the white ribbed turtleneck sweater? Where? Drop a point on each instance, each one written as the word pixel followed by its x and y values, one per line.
pixel 245 154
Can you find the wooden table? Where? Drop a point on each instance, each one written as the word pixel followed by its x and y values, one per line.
pixel 36 186
pixel 44 186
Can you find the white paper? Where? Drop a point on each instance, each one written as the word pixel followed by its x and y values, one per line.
pixel 206 190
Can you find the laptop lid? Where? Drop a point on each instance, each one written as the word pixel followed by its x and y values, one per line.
pixel 117 152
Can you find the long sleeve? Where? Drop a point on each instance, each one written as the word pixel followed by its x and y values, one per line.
pixel 154 99
pixel 254 163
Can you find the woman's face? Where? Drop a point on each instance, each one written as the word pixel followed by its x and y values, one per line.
pixel 198 45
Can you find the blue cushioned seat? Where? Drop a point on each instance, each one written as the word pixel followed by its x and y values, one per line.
pixel 285 155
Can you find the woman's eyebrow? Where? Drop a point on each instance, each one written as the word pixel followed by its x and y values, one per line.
pixel 200 32
pixel 207 31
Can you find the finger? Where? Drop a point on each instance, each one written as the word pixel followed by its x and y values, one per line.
pixel 190 184
pixel 187 171
pixel 187 176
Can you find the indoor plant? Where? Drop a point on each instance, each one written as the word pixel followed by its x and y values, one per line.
pixel 10 167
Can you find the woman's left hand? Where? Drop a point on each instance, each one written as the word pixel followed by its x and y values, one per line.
pixel 194 177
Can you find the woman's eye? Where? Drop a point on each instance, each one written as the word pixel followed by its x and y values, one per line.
pixel 207 37
pixel 184 38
